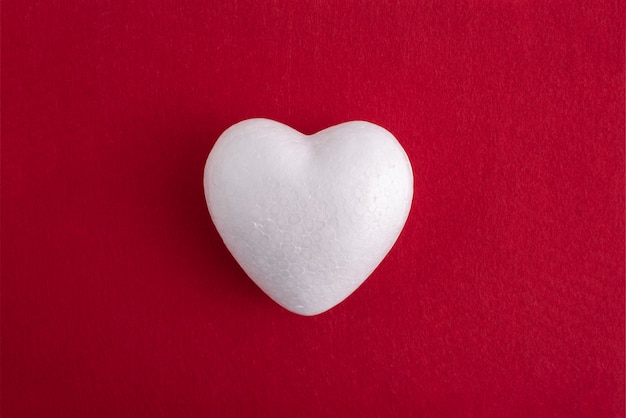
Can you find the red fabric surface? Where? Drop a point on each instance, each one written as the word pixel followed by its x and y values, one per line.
pixel 504 295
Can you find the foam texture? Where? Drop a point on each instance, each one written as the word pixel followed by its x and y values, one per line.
pixel 308 218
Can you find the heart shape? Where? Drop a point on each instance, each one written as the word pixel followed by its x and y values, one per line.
pixel 308 218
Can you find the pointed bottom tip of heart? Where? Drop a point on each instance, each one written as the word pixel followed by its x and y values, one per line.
pixel 306 311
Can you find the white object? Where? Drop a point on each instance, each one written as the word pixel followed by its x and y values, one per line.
pixel 308 218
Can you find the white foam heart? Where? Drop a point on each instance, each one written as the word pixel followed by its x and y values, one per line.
pixel 308 218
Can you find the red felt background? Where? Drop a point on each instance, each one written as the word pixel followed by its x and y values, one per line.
pixel 504 295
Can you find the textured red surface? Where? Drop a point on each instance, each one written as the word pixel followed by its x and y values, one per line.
pixel 504 296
